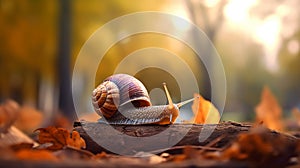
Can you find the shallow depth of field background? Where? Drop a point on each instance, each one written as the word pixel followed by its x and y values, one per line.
pixel 258 41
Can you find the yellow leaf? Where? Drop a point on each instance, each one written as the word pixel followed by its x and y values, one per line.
pixel 268 111
pixel 204 111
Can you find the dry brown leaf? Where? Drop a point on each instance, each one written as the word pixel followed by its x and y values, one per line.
pixel 178 158
pixel 155 159
pixel 6 153
pixel 29 119
pixel 9 112
pixel 56 136
pixel 269 111
pixel 189 152
pixel 14 136
pixel 247 145
pixel 25 118
pixel 20 146
pixel 205 112
pixel 35 155
pixel 59 138
pixel 261 148
pixel 76 141
pixel 102 155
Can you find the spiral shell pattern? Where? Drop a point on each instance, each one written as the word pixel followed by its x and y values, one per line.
pixel 106 99
pixel 119 90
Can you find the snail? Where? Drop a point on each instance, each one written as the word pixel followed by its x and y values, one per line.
pixel 123 99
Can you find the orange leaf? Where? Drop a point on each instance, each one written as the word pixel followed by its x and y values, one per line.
pixel 20 146
pixel 102 155
pixel 76 141
pixel 261 147
pixel 28 119
pixel 205 112
pixel 269 111
pixel 35 155
pixel 57 136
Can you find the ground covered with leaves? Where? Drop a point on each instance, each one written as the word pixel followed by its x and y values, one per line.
pixel 267 143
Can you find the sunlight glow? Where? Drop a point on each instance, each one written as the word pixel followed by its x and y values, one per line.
pixel 179 10
pixel 267 32
pixel 211 3
pixel 237 11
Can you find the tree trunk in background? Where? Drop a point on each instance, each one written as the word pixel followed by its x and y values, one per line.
pixel 64 61
pixel 206 87
pixel 198 12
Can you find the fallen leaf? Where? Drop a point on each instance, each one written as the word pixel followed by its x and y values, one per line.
pixel 6 153
pixel 154 159
pixel 14 136
pixel 9 112
pixel 150 157
pixel 28 119
pixel 262 148
pixel 234 152
pixel 102 155
pixel 56 136
pixel 35 155
pixel 204 111
pixel 189 152
pixel 59 138
pixel 76 141
pixel 20 146
pixel 269 111
pixel 179 158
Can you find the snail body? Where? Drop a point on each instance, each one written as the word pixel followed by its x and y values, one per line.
pixel 123 99
pixel 145 115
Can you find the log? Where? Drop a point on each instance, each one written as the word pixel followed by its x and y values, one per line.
pixel 137 139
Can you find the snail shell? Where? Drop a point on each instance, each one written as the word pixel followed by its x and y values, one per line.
pixel 123 99
pixel 119 90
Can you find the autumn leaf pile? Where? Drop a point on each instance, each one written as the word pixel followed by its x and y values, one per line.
pixel 261 146
pixel 50 141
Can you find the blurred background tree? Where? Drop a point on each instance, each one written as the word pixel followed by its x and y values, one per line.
pixel 258 42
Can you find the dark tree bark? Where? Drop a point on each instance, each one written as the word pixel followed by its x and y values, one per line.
pixel 186 134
